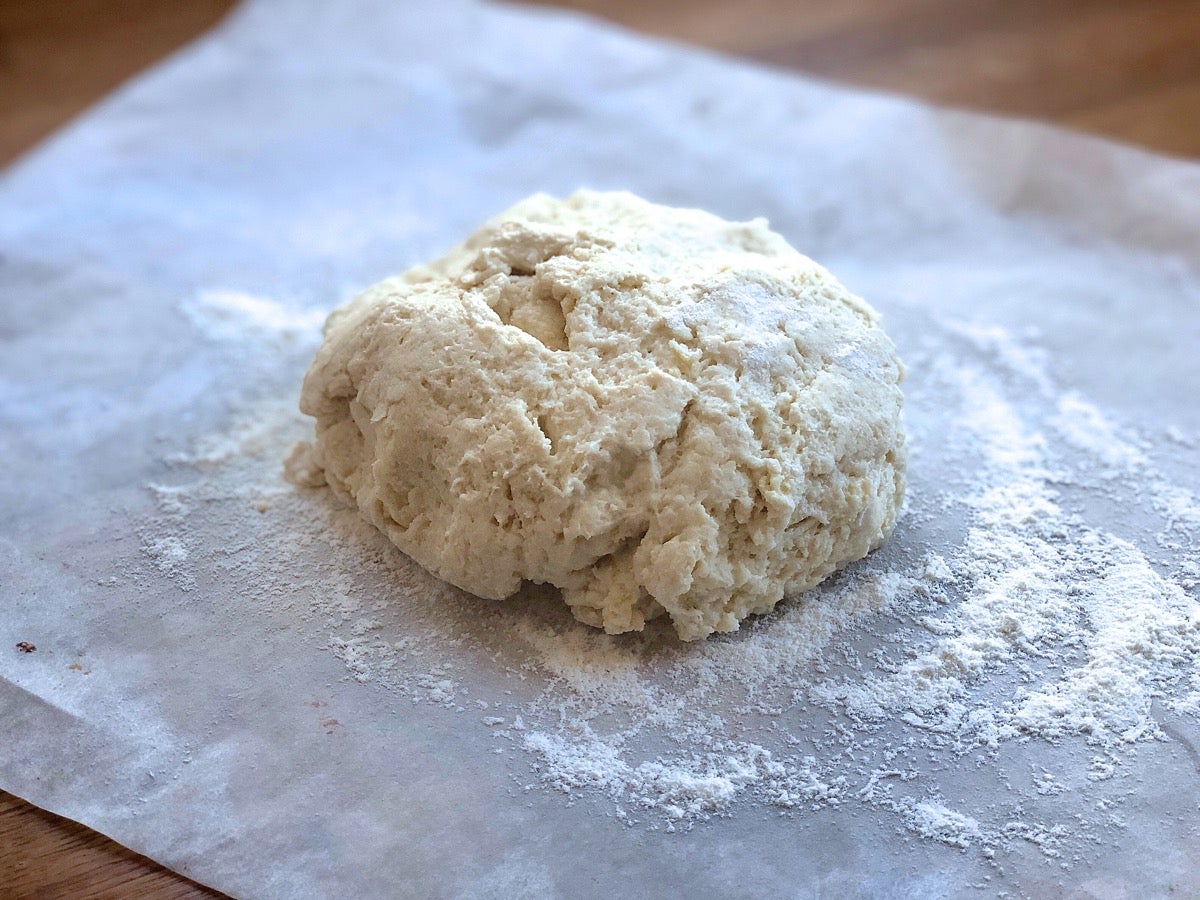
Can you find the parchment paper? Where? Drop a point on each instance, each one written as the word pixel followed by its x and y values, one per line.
pixel 304 150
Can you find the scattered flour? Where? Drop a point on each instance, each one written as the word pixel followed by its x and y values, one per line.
pixel 237 317
pixel 1003 623
pixel 1178 506
pixel 170 557
pixel 1083 426
pixel 932 820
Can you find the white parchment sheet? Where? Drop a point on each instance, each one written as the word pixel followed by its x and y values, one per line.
pixel 236 678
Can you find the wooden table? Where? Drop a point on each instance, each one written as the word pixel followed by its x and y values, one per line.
pixel 1129 69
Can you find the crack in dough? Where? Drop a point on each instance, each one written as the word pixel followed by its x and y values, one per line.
pixel 656 410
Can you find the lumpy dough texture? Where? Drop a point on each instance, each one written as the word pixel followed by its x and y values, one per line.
pixel 654 409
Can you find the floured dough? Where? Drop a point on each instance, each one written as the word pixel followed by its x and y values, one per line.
pixel 654 409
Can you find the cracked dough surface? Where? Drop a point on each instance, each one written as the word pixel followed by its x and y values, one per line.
pixel 656 410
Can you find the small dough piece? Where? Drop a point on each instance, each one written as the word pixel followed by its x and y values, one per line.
pixel 654 409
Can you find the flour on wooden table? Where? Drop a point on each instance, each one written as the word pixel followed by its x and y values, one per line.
pixel 1005 616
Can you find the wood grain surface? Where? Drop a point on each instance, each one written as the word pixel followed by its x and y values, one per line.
pixel 1129 69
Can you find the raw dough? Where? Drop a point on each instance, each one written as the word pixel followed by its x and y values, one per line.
pixel 654 409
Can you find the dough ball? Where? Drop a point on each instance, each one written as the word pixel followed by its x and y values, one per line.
pixel 656 410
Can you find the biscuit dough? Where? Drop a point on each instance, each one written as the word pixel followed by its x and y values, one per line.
pixel 654 409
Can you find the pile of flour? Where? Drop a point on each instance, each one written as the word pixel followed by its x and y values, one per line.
pixel 1008 631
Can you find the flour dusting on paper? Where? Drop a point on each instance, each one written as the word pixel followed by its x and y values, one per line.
pixel 952 649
